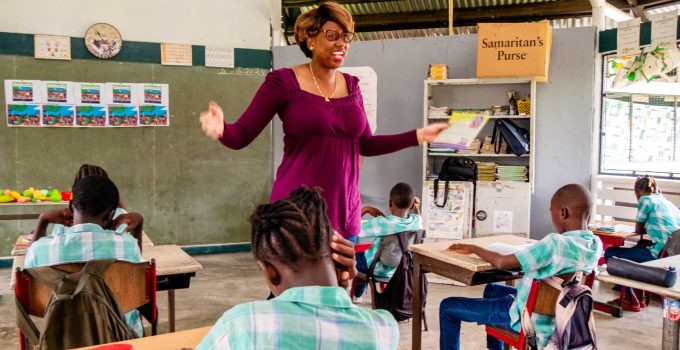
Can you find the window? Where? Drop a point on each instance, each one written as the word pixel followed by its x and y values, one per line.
pixel 640 128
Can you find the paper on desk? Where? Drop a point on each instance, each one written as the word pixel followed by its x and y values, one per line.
pixel 505 249
pixel 624 228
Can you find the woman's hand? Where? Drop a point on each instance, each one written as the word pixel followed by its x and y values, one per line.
pixel 430 132
pixel 342 252
pixel 212 121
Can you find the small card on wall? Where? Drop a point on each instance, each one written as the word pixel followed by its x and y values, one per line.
pixel 628 37
pixel 123 116
pixel 219 56
pixel 23 91
pixel 156 94
pixel 91 116
pixel 58 115
pixel 23 114
pixel 664 29
pixel 154 116
pixel 121 94
pixel 52 47
pixel 176 54
pixel 90 93
pixel 58 92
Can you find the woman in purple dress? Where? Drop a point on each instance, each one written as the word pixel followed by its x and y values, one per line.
pixel 324 122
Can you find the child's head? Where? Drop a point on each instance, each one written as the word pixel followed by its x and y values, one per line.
pixel 645 185
pixel 88 170
pixel 402 196
pixel 291 238
pixel 570 208
pixel 95 199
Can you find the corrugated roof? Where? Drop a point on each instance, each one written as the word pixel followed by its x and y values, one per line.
pixel 423 5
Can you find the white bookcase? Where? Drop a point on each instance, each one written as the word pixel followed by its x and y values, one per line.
pixel 507 212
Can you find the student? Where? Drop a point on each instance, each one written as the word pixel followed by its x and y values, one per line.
pixel 572 249
pixel 291 243
pixel 403 206
pixel 94 203
pixel 657 217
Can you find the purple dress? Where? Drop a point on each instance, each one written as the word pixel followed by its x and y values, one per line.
pixel 322 142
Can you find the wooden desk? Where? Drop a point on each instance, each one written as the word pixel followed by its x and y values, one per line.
pixel 612 239
pixel 467 269
pixel 169 341
pixel 174 269
pixel 671 330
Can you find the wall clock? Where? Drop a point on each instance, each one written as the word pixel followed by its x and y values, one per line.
pixel 103 40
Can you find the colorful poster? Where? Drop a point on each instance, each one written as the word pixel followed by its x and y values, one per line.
pixel 91 116
pixel 153 116
pixel 176 54
pixel 122 93
pixel 58 92
pixel 22 91
pixel 23 114
pixel 58 115
pixel 52 47
pixel 123 116
pixel 153 94
pixel 90 93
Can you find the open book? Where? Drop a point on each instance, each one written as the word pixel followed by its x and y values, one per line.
pixel 505 249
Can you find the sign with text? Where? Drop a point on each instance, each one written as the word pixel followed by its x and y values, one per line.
pixel 510 50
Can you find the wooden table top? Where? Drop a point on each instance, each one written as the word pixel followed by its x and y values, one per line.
pixel 673 292
pixel 168 341
pixel 612 224
pixel 438 250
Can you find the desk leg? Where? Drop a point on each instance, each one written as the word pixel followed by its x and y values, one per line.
pixel 171 310
pixel 670 332
pixel 417 309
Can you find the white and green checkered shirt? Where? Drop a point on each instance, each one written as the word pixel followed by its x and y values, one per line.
pixel 383 226
pixel 86 242
pixel 660 217
pixel 303 318
pixel 555 254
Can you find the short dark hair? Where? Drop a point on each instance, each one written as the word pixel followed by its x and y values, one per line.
pixel 402 195
pixel 576 197
pixel 292 231
pixel 309 23
pixel 95 195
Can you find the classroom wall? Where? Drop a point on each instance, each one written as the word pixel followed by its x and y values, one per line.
pixel 235 23
pixel 565 109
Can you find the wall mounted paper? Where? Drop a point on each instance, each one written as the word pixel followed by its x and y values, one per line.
pixel 123 116
pixel 52 47
pixel 176 54
pixel 219 56
pixel 23 91
pixel 121 94
pixel 153 94
pixel 154 116
pixel 58 115
pixel 23 114
pixel 664 29
pixel 368 84
pixel 628 37
pixel 90 93
pixel 58 92
pixel 502 221
pixel 91 116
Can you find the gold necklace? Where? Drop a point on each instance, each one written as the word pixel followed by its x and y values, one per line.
pixel 326 98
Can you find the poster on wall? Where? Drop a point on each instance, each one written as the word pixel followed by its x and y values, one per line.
pixel 628 37
pixel 121 94
pixel 219 56
pixel 123 116
pixel 368 84
pixel 52 47
pixel 90 99
pixel 23 91
pixel 58 115
pixel 91 116
pixel 58 92
pixel 153 116
pixel 23 114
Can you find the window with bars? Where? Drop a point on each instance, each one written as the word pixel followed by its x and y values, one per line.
pixel 640 128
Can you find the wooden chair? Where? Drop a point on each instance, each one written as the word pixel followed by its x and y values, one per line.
pixel 542 299
pixel 133 285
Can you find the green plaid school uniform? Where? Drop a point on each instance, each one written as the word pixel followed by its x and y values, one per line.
pixel 303 318
pixel 660 217
pixel 555 254
pixel 383 226
pixel 86 242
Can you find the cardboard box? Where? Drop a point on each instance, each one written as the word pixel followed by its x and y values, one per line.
pixel 512 50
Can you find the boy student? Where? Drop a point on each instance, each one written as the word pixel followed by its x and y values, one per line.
pixel 92 235
pixel 572 249
pixel 291 243
pixel 403 206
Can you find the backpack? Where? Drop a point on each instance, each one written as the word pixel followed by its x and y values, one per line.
pixel 516 137
pixel 454 169
pixel 397 297
pixel 574 322
pixel 81 312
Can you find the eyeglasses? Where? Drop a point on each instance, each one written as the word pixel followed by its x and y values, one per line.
pixel 333 35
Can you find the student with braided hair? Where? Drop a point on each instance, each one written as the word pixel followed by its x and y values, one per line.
pixel 291 243
pixel 657 217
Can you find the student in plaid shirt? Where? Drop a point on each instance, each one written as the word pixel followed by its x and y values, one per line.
pixel 92 209
pixel 291 243
pixel 572 249
pixel 657 217
pixel 403 205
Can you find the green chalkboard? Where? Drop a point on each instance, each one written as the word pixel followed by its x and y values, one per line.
pixel 190 189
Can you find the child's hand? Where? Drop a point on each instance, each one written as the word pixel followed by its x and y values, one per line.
pixel 342 252
pixel 461 248
pixel 58 216
pixel 374 212
pixel 212 121
pixel 132 220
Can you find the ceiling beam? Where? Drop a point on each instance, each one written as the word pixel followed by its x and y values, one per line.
pixel 301 3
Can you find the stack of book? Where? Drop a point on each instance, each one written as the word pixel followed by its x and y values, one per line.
pixel 438 112
pixel 486 171
pixel 518 173
pixel 488 147
pixel 473 148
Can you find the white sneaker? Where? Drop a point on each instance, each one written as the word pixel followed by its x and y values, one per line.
pixel 358 300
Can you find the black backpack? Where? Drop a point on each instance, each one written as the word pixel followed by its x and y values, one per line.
pixel 517 138
pixel 454 169
pixel 397 297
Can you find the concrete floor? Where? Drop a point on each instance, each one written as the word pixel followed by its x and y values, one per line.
pixel 229 279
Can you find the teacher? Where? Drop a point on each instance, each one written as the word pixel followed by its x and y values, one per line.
pixel 324 122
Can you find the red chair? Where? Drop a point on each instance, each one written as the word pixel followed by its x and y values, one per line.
pixel 133 285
